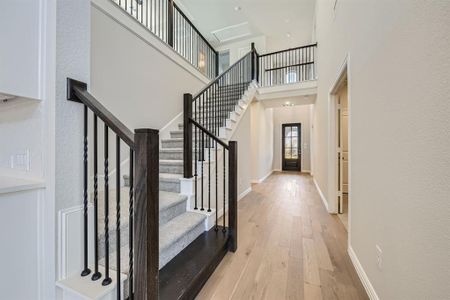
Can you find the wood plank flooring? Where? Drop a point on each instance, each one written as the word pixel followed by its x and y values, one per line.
pixel 289 247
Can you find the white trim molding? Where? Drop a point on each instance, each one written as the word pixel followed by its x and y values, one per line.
pixel 244 193
pixel 324 200
pixel 262 178
pixel 362 275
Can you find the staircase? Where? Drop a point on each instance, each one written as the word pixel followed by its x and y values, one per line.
pixel 189 238
pixel 163 232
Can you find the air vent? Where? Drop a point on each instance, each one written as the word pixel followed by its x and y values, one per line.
pixel 233 32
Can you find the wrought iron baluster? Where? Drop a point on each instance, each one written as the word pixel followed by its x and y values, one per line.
pixel 96 274
pixel 130 228
pixel 107 279
pixel 86 271
pixel 118 216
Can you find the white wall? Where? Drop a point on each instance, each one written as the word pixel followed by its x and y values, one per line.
pixel 138 83
pixel 399 137
pixel 243 46
pixel 292 114
pixel 243 137
pixel 72 60
pixel 261 141
pixel 27 218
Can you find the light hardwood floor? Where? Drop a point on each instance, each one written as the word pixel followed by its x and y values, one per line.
pixel 289 247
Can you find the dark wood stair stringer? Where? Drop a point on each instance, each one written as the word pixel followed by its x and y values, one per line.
pixel 184 276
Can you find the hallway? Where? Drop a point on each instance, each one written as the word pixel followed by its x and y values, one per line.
pixel 289 247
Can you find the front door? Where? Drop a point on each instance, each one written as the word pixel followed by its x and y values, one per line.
pixel 291 135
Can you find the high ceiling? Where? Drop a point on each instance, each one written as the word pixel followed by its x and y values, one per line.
pixel 285 23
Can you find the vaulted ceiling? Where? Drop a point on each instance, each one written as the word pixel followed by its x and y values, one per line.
pixel 285 23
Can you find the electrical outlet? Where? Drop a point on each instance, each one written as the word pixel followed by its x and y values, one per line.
pixel 379 257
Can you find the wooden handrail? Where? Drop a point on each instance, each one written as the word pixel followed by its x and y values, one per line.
pixel 77 91
pixel 193 27
pixel 286 50
pixel 207 132
pixel 289 66
pixel 218 77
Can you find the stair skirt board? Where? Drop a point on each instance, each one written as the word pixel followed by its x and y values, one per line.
pixel 184 276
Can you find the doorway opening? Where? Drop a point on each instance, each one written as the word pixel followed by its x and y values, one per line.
pixel 342 153
pixel 291 150
pixel 340 148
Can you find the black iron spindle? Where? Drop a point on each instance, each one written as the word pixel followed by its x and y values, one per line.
pixel 196 142
pixel 96 274
pixel 118 216
pixel 86 271
pixel 130 228
pixel 216 166
pixel 224 189
pixel 107 279
pixel 209 174
pixel 202 154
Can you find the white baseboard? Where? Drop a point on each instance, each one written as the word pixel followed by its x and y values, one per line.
pixel 362 275
pixel 263 178
pixel 306 171
pixel 324 200
pixel 244 193
pixel 171 122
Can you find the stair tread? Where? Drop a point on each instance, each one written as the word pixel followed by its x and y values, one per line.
pixel 169 234
pixel 169 199
pixel 173 230
pixel 171 162
pixel 166 201
pixel 170 176
pixel 171 150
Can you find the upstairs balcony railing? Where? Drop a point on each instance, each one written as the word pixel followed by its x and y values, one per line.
pixel 287 66
pixel 168 22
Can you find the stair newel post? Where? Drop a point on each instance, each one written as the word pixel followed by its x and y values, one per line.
pixel 187 136
pixel 217 62
pixel 146 214
pixel 253 56
pixel 232 194
pixel 170 31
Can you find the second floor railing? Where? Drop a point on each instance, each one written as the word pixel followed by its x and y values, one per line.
pixel 167 21
pixel 287 66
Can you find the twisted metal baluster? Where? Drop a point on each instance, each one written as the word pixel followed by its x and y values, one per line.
pixel 107 279
pixel 96 274
pixel 86 271
pixel 118 216
pixel 131 213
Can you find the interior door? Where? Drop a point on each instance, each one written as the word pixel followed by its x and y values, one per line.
pixel 291 152
pixel 342 148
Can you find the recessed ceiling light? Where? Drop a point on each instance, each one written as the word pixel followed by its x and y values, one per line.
pixel 237 8
pixel 288 35
pixel 287 20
